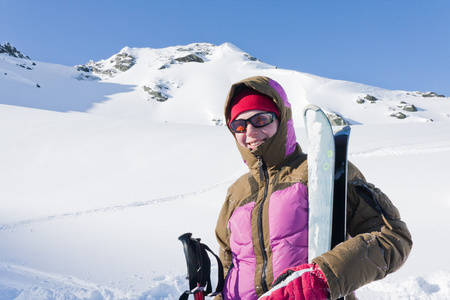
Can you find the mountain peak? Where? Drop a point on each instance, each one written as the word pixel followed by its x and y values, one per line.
pixel 12 51
pixel 161 58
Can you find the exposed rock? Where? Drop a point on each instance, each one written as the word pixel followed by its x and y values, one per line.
pixel 201 50
pixel 157 95
pixel 337 120
pixel 190 58
pixel 24 66
pixel 12 51
pixel 88 77
pixel 370 98
pixel 218 121
pixel 118 63
pixel 429 94
pixel 409 107
pixel 398 115
pixel 251 58
pixel 97 68
pixel 123 61
pixel 367 97
pixel 84 68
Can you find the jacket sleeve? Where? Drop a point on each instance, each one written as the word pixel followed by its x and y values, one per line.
pixel 379 241
pixel 222 231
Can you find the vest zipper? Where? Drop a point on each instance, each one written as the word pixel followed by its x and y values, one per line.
pixel 264 177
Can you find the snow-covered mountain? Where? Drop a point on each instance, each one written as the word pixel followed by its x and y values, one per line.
pixel 104 164
pixel 160 83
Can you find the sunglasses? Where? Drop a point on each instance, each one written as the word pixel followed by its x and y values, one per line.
pixel 258 120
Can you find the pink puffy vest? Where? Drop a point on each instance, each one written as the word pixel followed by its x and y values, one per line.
pixel 288 228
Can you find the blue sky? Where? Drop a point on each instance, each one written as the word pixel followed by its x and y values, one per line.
pixel 394 44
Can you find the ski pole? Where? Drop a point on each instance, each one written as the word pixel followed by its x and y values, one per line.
pixel 199 296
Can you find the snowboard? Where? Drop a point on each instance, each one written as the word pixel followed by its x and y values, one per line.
pixel 327 182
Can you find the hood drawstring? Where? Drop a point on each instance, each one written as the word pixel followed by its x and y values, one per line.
pixel 261 168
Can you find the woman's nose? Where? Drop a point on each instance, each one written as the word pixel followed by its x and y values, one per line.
pixel 251 131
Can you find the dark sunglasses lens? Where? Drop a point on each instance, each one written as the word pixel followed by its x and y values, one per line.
pixel 238 125
pixel 261 120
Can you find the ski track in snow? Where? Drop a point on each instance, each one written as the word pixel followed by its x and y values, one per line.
pixel 49 283
pixel 19 282
pixel 107 209
pixel 405 150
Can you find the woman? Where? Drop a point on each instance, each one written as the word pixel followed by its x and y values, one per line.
pixel 262 228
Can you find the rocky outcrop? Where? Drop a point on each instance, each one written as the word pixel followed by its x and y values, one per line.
pixel 429 94
pixel 337 120
pixel 408 107
pixel 398 115
pixel 119 63
pixel 367 97
pixel 158 95
pixel 123 61
pixel 190 58
pixel 12 51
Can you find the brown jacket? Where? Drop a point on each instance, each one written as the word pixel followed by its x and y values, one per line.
pixel 379 241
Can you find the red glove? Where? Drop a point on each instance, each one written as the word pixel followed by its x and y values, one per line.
pixel 303 282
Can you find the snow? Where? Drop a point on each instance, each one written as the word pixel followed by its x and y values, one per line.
pixel 98 179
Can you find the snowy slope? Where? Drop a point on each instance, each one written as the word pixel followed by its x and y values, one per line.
pixel 99 178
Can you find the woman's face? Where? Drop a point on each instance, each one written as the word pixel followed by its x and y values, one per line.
pixel 253 136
